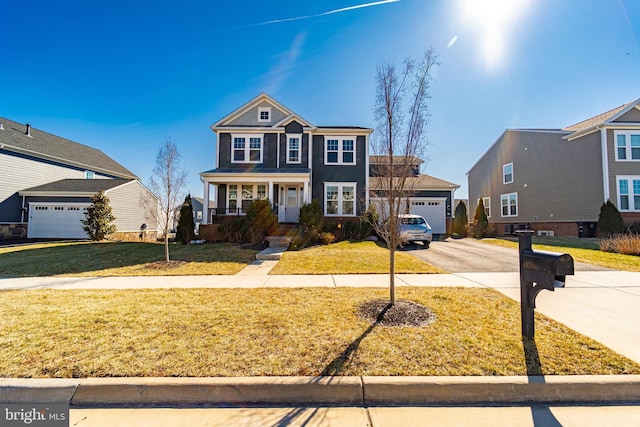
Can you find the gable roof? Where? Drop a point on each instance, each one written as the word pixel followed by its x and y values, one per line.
pixel 382 160
pixel 40 144
pixel 76 187
pixel 591 124
pixel 420 182
pixel 263 97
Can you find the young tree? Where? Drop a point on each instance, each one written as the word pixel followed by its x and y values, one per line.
pixel 610 220
pixel 401 116
pixel 461 220
pixel 166 183
pixel 480 221
pixel 185 232
pixel 98 222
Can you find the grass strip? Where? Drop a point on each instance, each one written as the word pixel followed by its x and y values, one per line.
pixel 275 331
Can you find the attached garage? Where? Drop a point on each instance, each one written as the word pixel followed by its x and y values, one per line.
pixel 56 220
pixel 433 210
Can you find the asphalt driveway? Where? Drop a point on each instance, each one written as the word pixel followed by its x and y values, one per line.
pixel 471 256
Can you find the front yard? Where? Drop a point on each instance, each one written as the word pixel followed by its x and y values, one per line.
pixel 121 259
pixel 252 332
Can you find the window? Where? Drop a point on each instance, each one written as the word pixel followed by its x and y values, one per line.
pixel 89 175
pixel 627 145
pixel 264 114
pixel 486 201
pixel 340 150
pixel 248 193
pixel 246 149
pixel 339 199
pixel 293 148
pixel 509 204
pixel 629 193
pixel 507 173
pixel 199 215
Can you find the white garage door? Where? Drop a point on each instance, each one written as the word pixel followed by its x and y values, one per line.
pixel 433 210
pixel 47 220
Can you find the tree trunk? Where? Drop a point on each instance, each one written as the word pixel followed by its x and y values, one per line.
pixel 166 247
pixel 392 276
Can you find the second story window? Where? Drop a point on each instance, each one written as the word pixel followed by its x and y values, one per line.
pixel 507 173
pixel 340 151
pixel 627 145
pixel 293 148
pixel 246 149
pixel 89 175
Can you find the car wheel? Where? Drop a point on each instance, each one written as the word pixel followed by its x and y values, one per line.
pixel 425 245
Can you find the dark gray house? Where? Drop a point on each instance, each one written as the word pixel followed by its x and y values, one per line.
pixel 264 150
pixel 556 180
pixel 47 182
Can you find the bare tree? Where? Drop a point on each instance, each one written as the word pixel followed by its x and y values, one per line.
pixel 401 116
pixel 167 183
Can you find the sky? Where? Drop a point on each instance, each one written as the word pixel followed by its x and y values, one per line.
pixel 124 76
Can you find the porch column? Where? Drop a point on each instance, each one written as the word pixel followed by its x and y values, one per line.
pixel 305 192
pixel 205 203
pixel 270 191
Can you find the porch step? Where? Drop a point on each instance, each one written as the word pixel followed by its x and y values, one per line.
pixel 279 241
pixel 285 230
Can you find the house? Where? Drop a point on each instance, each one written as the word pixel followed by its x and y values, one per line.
pixel 264 150
pixel 47 181
pixel 556 180
pixel 428 196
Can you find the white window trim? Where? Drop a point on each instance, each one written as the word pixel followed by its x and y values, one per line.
pixel 299 136
pixel 262 110
pixel 89 174
pixel 340 151
pixel 486 201
pixel 247 144
pixel 504 175
pixel 629 179
pixel 239 198
pixel 508 205
pixel 340 185
pixel 627 134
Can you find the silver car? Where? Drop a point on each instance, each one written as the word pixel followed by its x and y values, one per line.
pixel 414 228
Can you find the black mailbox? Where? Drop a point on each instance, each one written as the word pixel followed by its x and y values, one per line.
pixel 538 270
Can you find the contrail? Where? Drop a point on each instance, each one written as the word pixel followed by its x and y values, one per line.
pixel 331 12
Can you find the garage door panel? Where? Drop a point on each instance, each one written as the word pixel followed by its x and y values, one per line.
pixel 56 221
pixel 433 210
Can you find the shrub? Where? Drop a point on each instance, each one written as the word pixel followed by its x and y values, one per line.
pixel 633 228
pixel 461 220
pixel 261 220
pixel 369 218
pixel 98 222
pixel 185 231
pixel 628 244
pixel 233 231
pixel 480 227
pixel 311 215
pixel 327 238
pixel 610 220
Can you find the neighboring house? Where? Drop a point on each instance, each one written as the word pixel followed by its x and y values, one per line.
pixel 429 197
pixel 198 212
pixel 556 180
pixel 47 181
pixel 264 150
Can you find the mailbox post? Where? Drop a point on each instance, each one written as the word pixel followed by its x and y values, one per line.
pixel 538 270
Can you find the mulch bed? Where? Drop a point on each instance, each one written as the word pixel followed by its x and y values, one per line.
pixel 402 313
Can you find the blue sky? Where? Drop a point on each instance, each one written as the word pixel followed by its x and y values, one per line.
pixel 123 76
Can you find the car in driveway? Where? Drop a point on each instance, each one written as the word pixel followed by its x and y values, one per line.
pixel 413 229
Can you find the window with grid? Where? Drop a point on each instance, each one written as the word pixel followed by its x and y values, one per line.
pixel 340 199
pixel 246 149
pixel 340 151
pixel 293 149
pixel 627 145
pixel 507 173
pixel 509 204
pixel 629 193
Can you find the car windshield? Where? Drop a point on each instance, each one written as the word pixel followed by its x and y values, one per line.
pixel 413 221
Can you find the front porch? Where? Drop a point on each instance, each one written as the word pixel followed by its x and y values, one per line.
pixel 235 191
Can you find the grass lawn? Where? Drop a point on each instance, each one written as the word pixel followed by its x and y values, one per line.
pixel 251 332
pixel 581 249
pixel 120 259
pixel 348 258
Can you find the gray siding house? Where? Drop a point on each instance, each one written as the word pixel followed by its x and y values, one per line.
pixel 47 182
pixel 264 150
pixel 556 180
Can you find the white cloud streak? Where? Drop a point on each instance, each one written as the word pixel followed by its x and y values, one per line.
pixel 330 12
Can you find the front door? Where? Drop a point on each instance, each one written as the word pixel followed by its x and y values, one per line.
pixel 292 203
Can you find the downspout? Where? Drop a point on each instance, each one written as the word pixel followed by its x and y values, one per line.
pixel 366 171
pixel 310 166
pixel 22 211
pixel 605 163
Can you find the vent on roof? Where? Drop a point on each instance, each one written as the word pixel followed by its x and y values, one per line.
pixel 28 132
pixel 1 127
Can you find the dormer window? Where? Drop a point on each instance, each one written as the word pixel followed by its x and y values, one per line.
pixel 264 114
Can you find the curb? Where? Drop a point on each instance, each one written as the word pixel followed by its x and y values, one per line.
pixel 331 391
